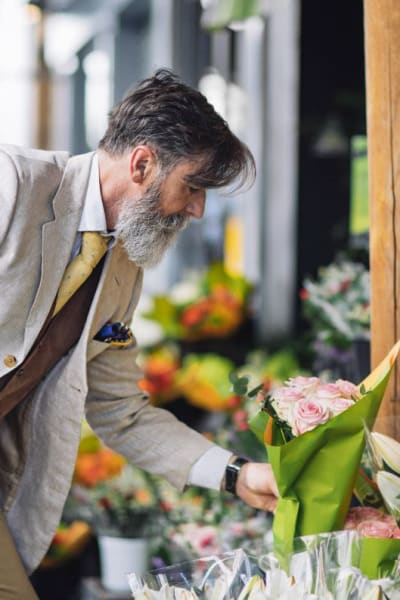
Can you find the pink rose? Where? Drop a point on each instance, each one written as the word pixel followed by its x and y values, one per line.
pixel 338 405
pixel 364 513
pixel 206 538
pixel 283 399
pixel 347 389
pixel 374 529
pixel 307 414
pixel 391 521
pixel 350 523
pixel 240 418
pixel 328 391
pixel 286 395
pixel 304 384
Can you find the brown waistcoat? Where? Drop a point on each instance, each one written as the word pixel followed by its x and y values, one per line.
pixel 56 338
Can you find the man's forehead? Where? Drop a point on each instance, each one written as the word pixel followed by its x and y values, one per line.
pixel 186 168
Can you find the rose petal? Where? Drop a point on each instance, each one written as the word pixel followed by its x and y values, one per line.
pixel 375 529
pixel 364 513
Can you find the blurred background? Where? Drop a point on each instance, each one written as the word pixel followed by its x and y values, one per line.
pixel 273 282
pixel 287 75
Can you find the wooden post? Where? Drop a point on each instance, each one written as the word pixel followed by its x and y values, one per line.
pixel 44 88
pixel 382 50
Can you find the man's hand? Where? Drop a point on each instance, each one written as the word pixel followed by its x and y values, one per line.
pixel 257 487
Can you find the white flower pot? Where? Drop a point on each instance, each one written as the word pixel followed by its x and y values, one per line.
pixel 120 556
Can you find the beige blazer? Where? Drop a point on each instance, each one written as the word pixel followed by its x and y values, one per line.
pixel 41 198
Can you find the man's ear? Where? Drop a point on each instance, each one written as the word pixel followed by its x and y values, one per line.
pixel 142 164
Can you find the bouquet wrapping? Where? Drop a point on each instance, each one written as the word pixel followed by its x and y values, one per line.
pixel 316 471
pixel 379 557
pixel 320 570
pixel 380 541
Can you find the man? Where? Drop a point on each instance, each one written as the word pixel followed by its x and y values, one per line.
pixel 163 147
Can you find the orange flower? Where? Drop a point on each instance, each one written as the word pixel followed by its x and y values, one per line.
pixel 159 381
pixel 143 496
pixel 93 467
pixel 194 314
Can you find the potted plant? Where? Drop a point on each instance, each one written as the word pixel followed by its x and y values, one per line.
pixel 123 506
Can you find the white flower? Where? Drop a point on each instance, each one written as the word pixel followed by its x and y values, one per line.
pixel 185 292
pixel 386 451
pixel 389 487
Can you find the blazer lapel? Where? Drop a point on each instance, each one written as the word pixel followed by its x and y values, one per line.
pixel 58 237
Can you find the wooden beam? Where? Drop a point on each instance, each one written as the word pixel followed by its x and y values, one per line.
pixel 382 55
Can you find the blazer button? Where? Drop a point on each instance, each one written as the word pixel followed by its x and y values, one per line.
pixel 10 360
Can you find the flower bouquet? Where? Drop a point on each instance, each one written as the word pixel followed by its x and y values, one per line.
pixel 314 438
pixel 207 305
pixel 204 381
pixel 380 540
pixel 238 576
pixel 379 527
pixel 338 303
pixel 160 366
pixel 68 542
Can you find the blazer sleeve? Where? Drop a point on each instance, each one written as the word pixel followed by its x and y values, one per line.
pixel 121 415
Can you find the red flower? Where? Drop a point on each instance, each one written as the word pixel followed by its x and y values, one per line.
pixel 234 402
pixel 304 294
pixel 105 503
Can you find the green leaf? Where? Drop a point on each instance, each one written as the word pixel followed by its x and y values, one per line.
pixel 258 424
pixel 239 384
pixel 255 390
pixel 165 313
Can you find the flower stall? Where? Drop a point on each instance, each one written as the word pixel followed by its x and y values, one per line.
pixel 337 307
pixel 209 311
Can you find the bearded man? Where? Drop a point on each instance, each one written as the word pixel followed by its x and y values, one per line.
pixel 61 359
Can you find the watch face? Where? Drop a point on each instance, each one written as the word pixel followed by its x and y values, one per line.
pixel 231 474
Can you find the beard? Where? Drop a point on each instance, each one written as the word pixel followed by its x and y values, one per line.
pixel 144 231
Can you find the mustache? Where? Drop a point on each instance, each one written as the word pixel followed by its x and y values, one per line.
pixel 173 222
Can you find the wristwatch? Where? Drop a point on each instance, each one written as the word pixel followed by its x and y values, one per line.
pixel 232 472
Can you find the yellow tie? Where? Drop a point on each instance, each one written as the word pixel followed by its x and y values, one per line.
pixel 94 247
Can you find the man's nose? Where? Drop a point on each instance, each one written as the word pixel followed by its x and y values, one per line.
pixel 195 208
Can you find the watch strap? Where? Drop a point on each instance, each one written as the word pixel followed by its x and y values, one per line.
pixel 232 472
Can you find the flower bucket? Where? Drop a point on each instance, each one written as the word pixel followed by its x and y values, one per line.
pixel 120 556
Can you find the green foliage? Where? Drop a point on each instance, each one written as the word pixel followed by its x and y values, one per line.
pixel 164 313
pixel 337 303
pixel 239 384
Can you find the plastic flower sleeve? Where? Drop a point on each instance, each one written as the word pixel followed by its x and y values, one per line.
pixel 235 576
pixel 215 578
pixel 326 566
pixel 316 557
pixel 315 471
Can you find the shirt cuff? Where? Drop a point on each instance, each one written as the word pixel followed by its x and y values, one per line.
pixel 209 470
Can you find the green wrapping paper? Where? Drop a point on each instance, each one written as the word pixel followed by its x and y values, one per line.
pixel 378 557
pixel 315 472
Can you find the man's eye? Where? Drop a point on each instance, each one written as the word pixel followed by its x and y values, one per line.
pixel 193 190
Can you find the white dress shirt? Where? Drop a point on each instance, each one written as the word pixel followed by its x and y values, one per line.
pixel 208 471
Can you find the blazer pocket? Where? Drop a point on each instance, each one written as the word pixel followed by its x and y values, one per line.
pixel 95 348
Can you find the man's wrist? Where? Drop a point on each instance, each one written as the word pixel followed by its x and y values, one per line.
pixel 232 473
